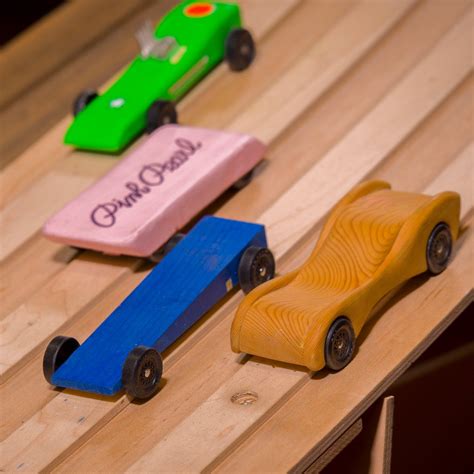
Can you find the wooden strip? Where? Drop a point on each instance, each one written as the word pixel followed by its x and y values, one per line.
pixel 55 39
pixel 381 451
pixel 382 17
pixel 338 446
pixel 438 301
pixel 420 91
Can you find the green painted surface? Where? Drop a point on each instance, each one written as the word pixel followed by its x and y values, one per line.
pixel 116 117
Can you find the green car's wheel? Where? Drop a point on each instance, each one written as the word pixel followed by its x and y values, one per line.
pixel 256 266
pixel 439 248
pixel 161 112
pixel 340 344
pixel 239 49
pixel 83 100
pixel 141 373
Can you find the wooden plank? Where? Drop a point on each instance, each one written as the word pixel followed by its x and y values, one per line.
pixel 381 451
pixel 438 301
pixel 188 369
pixel 248 203
pixel 335 448
pixel 382 19
pixel 99 63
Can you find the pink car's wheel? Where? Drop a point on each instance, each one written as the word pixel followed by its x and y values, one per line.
pixel 340 344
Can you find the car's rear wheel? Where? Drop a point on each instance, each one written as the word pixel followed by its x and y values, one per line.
pixel 58 351
pixel 243 181
pixel 161 112
pixel 83 100
pixel 142 371
pixel 439 248
pixel 239 49
pixel 256 266
pixel 340 344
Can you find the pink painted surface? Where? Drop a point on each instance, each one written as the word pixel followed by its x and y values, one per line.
pixel 155 191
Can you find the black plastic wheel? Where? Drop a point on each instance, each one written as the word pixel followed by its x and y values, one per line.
pixel 83 100
pixel 243 181
pixel 58 351
pixel 239 49
pixel 173 242
pixel 439 248
pixel 141 373
pixel 161 112
pixel 340 344
pixel 256 266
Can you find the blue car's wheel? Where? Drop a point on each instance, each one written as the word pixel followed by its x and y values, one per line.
pixel 256 266
pixel 141 373
pixel 58 351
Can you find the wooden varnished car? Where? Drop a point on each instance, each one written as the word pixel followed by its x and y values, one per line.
pixel 373 240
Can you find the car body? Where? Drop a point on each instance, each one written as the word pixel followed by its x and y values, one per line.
pixel 152 193
pixel 188 43
pixel 374 240
pixel 217 255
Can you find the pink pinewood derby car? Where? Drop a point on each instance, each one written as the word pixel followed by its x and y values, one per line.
pixel 156 190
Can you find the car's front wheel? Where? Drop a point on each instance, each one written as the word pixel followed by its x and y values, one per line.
pixel 256 266
pixel 439 248
pixel 239 49
pixel 142 371
pixel 340 344
pixel 161 112
pixel 83 100
pixel 58 351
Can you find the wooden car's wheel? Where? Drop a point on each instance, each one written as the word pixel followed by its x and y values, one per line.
pixel 239 49
pixel 256 266
pixel 439 248
pixel 161 112
pixel 243 181
pixel 58 351
pixel 83 100
pixel 340 344
pixel 141 373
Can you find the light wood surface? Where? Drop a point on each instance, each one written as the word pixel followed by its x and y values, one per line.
pixel 375 102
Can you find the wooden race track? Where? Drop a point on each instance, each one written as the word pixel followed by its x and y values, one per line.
pixel 341 91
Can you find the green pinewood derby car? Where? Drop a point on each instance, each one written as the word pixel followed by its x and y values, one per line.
pixel 186 44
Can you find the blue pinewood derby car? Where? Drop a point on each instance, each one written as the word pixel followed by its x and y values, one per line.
pixel 124 351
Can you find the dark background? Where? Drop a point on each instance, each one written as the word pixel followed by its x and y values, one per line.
pixel 16 16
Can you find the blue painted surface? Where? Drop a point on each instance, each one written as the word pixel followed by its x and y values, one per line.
pixel 176 293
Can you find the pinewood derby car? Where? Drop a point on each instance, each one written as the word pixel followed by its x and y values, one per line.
pixel 151 194
pixel 373 240
pixel 124 351
pixel 191 40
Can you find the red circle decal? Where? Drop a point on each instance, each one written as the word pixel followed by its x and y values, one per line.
pixel 199 9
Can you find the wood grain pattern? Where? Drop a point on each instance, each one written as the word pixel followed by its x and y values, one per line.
pixel 373 240
pixel 79 434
